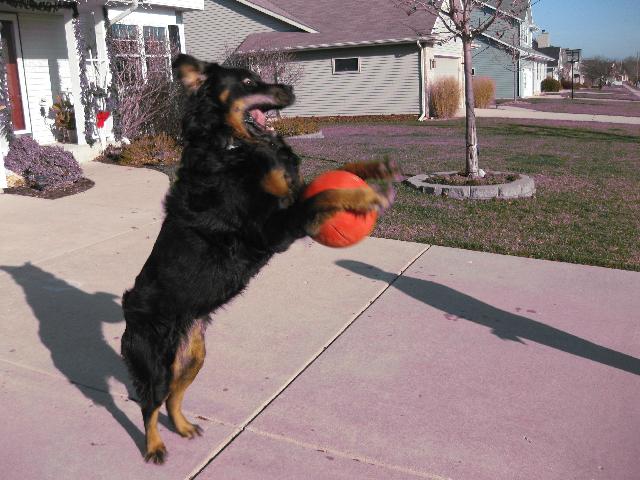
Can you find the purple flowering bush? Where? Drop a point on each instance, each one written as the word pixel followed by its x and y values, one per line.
pixel 43 167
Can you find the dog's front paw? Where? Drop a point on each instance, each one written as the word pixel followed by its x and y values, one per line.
pixel 389 170
pixel 156 454
pixel 189 430
pixel 386 195
pixel 378 170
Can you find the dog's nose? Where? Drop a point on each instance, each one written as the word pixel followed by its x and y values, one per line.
pixel 284 94
pixel 286 89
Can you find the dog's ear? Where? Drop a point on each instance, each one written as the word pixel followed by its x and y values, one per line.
pixel 190 71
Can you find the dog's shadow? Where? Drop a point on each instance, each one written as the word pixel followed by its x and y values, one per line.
pixel 503 324
pixel 70 326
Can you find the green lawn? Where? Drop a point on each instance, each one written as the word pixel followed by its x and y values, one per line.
pixel 587 207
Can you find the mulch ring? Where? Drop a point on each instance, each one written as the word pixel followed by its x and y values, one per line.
pixel 460 179
pixel 79 186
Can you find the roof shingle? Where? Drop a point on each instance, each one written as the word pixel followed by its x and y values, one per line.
pixel 349 22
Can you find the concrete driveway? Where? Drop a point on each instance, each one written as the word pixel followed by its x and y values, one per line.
pixel 388 360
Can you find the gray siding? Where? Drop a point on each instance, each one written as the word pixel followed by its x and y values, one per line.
pixel 505 28
pixel 496 63
pixel 494 60
pixel 223 25
pixel 388 82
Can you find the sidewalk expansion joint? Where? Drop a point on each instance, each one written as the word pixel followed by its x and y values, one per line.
pixel 347 455
pixel 112 394
pixel 233 435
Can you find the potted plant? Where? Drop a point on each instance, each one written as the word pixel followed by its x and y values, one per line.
pixel 64 119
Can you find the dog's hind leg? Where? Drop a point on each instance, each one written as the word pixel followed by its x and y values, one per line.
pixel 150 378
pixel 155 449
pixel 189 359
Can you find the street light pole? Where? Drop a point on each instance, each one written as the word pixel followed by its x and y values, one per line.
pixel 574 57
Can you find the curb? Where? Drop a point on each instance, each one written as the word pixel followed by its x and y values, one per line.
pixel 308 135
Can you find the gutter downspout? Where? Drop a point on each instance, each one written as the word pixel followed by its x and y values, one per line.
pixel 128 11
pixel 424 114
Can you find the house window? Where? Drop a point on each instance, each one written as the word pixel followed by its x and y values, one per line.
pixel 127 52
pixel 346 65
pixel 156 51
pixel 141 52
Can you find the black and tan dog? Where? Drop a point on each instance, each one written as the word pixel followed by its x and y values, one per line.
pixel 235 204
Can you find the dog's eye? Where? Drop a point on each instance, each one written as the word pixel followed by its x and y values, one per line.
pixel 248 82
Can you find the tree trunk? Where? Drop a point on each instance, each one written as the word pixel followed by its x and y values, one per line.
pixel 471 169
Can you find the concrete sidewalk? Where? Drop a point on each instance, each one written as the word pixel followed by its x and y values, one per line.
pixel 632 90
pixel 388 360
pixel 508 111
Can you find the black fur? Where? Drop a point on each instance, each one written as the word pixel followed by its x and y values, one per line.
pixel 221 226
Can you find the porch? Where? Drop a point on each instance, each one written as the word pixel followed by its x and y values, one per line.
pixel 40 64
pixel 58 57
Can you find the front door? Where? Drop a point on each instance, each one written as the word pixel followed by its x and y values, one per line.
pixel 10 54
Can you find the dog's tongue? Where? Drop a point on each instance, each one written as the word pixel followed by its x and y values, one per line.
pixel 258 117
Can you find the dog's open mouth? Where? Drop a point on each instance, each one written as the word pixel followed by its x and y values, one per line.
pixel 257 106
pixel 256 119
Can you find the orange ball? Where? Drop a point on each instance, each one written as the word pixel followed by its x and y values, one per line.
pixel 344 228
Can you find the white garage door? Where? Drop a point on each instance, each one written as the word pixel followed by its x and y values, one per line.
pixel 447 67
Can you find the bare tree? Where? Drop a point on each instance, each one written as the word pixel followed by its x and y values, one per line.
pixel 149 101
pixel 466 20
pixel 597 69
pixel 631 66
pixel 272 65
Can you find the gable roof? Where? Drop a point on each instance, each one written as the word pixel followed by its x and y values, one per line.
pixel 526 52
pixel 514 8
pixel 341 23
pixel 269 8
pixel 553 52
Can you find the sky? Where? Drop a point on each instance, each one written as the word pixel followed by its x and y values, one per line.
pixel 610 28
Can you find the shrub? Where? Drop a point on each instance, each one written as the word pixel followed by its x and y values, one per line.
pixel 150 150
pixel 290 127
pixel 566 83
pixel 43 167
pixel 151 107
pixel 445 97
pixel 484 91
pixel 550 85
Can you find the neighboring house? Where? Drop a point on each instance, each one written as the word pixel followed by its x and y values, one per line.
pixel 555 67
pixel 356 57
pixel 42 61
pixel 560 67
pixel 505 53
pixel 617 75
